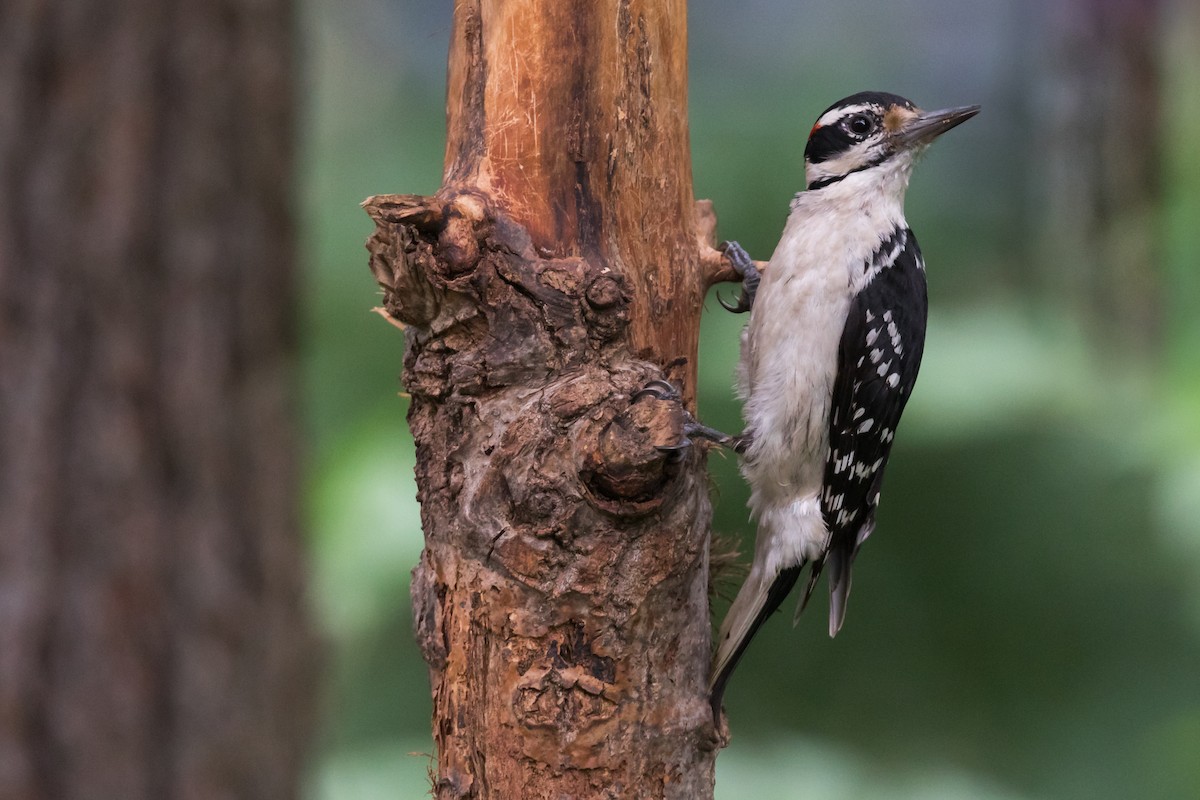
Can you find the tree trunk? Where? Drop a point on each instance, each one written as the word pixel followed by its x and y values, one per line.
pixel 561 600
pixel 153 637
pixel 1102 156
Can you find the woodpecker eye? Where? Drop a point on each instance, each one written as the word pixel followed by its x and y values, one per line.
pixel 860 124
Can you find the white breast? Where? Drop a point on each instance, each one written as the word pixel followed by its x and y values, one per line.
pixel 790 346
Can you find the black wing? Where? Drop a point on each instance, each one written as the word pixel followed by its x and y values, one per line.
pixel 878 358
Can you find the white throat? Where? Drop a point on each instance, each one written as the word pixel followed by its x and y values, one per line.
pixel 888 179
pixel 866 205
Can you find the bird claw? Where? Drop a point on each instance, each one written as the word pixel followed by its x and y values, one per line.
pixel 740 307
pixel 664 390
pixel 744 266
pixel 675 453
pixel 659 390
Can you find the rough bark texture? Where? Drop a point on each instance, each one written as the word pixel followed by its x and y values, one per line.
pixel 561 599
pixel 1103 156
pixel 153 640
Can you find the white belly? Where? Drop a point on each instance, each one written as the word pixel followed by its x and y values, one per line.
pixel 790 355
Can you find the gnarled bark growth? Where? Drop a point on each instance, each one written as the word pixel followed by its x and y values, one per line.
pixel 561 600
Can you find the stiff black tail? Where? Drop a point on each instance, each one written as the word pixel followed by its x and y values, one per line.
pixel 779 590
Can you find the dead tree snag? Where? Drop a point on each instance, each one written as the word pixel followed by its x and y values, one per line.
pixel 561 600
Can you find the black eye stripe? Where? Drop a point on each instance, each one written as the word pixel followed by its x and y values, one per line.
pixel 827 141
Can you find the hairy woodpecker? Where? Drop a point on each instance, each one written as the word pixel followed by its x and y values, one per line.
pixel 829 358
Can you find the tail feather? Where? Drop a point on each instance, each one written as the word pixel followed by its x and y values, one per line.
pixel 839 587
pixel 791 534
pixel 813 577
pixel 755 602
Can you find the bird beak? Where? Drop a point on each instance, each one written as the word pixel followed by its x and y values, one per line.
pixel 928 125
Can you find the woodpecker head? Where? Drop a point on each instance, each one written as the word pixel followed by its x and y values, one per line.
pixel 873 131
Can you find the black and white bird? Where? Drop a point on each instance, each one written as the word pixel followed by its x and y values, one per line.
pixel 829 357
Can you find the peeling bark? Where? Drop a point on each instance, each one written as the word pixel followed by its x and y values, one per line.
pixel 561 600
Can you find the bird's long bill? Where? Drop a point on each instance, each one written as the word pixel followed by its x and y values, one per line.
pixel 928 125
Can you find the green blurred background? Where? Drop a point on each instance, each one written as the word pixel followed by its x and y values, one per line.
pixel 1026 620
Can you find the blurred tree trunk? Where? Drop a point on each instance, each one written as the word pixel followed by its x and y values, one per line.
pixel 1103 157
pixel 561 600
pixel 153 635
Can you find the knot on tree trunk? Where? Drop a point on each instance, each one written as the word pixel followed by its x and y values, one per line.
pixel 624 465
pixel 558 534
pixel 487 312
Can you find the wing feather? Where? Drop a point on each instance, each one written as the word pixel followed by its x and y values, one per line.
pixel 878 358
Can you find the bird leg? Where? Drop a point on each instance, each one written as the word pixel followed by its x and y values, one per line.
pixel 692 429
pixel 744 266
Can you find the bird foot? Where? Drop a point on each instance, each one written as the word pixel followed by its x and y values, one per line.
pixel 744 266
pixel 692 429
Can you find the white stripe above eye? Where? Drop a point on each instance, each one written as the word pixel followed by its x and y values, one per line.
pixel 833 115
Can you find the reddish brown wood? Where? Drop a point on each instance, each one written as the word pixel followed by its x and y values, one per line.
pixel 561 599
pixel 572 116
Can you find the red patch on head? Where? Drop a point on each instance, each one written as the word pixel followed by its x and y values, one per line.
pixel 815 128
